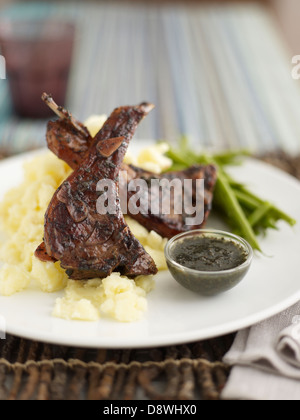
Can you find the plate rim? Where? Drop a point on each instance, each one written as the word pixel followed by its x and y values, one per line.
pixel 185 338
pixel 173 338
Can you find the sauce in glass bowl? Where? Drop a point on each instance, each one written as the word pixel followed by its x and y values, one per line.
pixel 205 253
pixel 208 261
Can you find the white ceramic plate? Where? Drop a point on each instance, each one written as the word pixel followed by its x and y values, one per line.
pixel 176 315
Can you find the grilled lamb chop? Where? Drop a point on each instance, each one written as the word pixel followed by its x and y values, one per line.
pixel 87 243
pixel 42 255
pixel 170 224
pixel 67 138
pixel 70 140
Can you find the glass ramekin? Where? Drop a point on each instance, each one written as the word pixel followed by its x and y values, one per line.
pixel 208 282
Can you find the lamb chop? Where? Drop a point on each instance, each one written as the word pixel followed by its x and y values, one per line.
pixel 89 244
pixel 171 223
pixel 70 140
pixel 66 137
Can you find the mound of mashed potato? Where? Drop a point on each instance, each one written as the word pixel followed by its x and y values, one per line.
pixel 22 220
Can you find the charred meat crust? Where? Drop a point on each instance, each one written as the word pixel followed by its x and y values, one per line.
pixel 89 244
pixel 171 224
pixel 67 143
pixel 42 255
pixel 71 145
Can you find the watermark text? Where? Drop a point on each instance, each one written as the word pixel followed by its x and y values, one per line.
pixel 155 196
pixel 296 68
pixel 2 67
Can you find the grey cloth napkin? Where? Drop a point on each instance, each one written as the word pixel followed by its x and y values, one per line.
pixel 266 360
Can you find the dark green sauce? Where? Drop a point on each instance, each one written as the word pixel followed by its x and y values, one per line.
pixel 204 253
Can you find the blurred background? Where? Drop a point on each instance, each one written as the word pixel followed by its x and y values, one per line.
pixel 219 72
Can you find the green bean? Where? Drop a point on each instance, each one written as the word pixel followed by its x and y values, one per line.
pixel 277 213
pixel 246 200
pixel 231 157
pixel 247 213
pixel 280 215
pixel 227 199
pixel 258 214
pixel 177 157
pixel 235 212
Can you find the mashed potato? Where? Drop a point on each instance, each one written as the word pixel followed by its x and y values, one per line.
pixel 94 123
pixel 115 296
pixel 151 158
pixel 22 219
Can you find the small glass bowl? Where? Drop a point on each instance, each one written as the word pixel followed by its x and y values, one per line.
pixel 208 283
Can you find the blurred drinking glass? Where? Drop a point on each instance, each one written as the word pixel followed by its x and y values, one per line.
pixel 38 57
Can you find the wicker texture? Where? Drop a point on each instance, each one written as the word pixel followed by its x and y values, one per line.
pixel 32 370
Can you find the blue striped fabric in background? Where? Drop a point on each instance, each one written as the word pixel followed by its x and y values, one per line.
pixel 219 74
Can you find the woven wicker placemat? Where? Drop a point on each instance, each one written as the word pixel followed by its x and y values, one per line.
pixel 31 370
